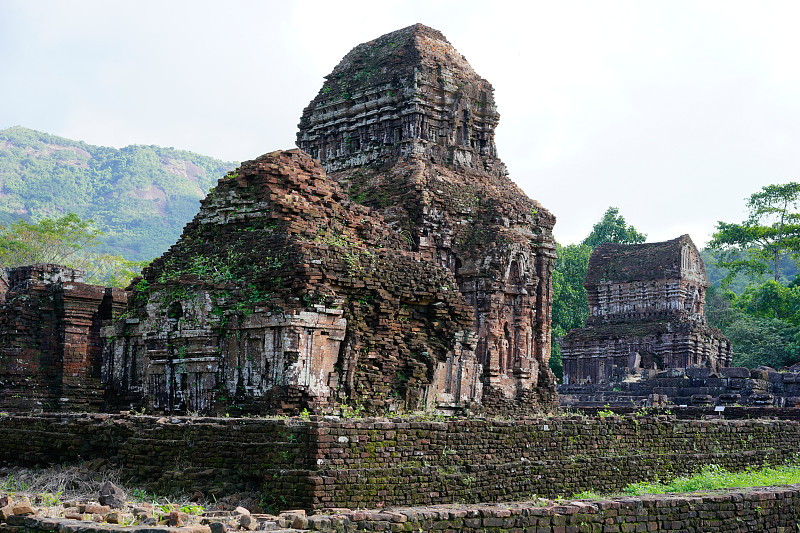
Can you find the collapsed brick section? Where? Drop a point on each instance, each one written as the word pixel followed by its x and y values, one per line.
pixel 406 127
pixel 645 315
pixel 281 295
pixel 50 352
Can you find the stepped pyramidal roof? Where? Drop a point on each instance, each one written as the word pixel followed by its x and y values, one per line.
pixel 406 127
pixel 407 92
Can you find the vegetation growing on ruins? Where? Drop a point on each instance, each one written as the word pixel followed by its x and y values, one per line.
pixel 712 477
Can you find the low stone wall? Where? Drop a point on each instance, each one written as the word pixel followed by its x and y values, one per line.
pixel 212 455
pixel 326 462
pixel 774 509
pixel 374 463
pixel 730 412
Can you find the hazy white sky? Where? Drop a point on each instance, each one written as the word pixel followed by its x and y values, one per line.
pixel 673 111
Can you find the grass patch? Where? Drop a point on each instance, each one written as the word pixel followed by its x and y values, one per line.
pixel 714 477
pixel 711 477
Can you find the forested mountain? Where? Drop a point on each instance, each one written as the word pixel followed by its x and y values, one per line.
pixel 140 196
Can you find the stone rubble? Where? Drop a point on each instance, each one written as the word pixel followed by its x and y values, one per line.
pixel 759 509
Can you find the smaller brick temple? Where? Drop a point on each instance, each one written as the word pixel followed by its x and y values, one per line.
pixel 50 346
pixel 645 313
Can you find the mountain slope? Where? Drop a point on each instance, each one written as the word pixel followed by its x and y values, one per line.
pixel 140 196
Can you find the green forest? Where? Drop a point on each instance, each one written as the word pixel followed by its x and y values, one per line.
pixel 138 197
pixel 752 266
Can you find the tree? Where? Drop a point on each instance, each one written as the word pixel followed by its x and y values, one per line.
pixel 613 228
pixel 771 300
pixel 772 230
pixel 762 324
pixel 54 241
pixel 763 341
pixel 67 241
pixel 570 304
pixel 570 307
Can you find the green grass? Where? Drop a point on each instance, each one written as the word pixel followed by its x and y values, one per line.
pixel 712 477
pixel 11 485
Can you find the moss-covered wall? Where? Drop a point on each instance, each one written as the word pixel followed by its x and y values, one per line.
pixel 322 463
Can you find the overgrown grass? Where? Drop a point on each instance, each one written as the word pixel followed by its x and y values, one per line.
pixel 711 477
pixel 55 482
pixel 49 487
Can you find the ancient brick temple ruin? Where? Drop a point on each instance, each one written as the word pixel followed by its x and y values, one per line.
pixel 50 346
pixel 645 313
pixel 414 275
pixel 406 126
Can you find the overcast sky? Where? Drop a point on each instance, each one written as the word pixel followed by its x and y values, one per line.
pixel 675 112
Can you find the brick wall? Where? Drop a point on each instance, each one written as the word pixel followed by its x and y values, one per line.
pixel 374 462
pixel 776 510
pixel 50 349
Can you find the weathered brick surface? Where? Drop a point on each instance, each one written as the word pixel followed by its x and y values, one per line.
pixel 50 350
pixel 694 386
pixel 645 315
pixel 774 510
pixel 406 127
pixel 281 295
pixel 373 462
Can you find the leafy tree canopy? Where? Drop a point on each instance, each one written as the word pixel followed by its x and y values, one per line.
pixel 67 241
pixel 570 304
pixel 613 228
pixel 755 247
pixel 53 241
pixel 762 324
pixel 570 307
pixel 771 300
pixel 763 342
